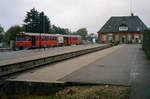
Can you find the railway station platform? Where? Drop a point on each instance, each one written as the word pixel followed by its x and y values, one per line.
pixel 17 61
pixel 55 72
pixel 26 55
pixel 124 65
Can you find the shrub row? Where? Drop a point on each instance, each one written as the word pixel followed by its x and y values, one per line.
pixel 146 42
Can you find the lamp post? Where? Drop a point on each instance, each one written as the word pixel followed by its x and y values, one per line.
pixel 40 40
pixel 44 29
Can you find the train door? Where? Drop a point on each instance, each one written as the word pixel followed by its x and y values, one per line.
pixel 67 40
pixel 33 40
pixel 61 40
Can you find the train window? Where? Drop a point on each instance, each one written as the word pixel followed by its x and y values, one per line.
pixel 42 38
pixel 20 38
pixel 65 38
pixel 45 38
pixel 52 38
pixel 49 38
pixel 37 38
pixel 27 38
pixel 74 38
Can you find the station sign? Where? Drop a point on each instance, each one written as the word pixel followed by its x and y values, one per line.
pixel 123 28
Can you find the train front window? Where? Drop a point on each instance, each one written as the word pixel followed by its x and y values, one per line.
pixel 27 38
pixel 43 38
pixel 23 38
pixel 20 38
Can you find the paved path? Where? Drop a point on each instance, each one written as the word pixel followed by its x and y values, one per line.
pixel 140 86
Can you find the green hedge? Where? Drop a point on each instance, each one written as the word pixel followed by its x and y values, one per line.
pixel 146 42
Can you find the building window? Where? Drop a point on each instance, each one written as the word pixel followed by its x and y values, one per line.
pixel 129 37
pixel 117 37
pixel 110 37
pixel 104 37
pixel 141 37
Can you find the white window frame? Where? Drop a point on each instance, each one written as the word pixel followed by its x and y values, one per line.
pixel 104 37
pixel 117 37
pixel 110 35
pixel 129 37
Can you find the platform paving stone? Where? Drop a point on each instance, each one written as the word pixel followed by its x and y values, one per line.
pixel 112 69
pixel 127 66
pixel 53 72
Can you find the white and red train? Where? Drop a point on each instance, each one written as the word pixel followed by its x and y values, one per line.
pixel 35 40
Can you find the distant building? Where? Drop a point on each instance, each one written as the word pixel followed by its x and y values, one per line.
pixel 126 29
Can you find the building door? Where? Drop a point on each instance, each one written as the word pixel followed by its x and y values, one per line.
pixel 123 39
pixel 136 38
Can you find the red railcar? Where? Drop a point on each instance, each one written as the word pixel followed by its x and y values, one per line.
pixel 35 40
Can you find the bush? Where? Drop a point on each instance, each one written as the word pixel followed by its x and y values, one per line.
pixel 146 43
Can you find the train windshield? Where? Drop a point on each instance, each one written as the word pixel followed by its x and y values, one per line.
pixel 23 38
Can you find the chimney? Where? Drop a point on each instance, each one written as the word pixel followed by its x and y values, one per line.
pixel 132 14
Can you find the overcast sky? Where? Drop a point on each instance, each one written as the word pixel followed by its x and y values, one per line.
pixel 73 14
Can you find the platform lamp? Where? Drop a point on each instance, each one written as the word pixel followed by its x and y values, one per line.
pixel 44 28
pixel 40 40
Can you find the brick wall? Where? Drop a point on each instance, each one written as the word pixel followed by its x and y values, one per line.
pixel 123 37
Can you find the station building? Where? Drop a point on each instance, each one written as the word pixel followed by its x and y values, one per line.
pixel 125 29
